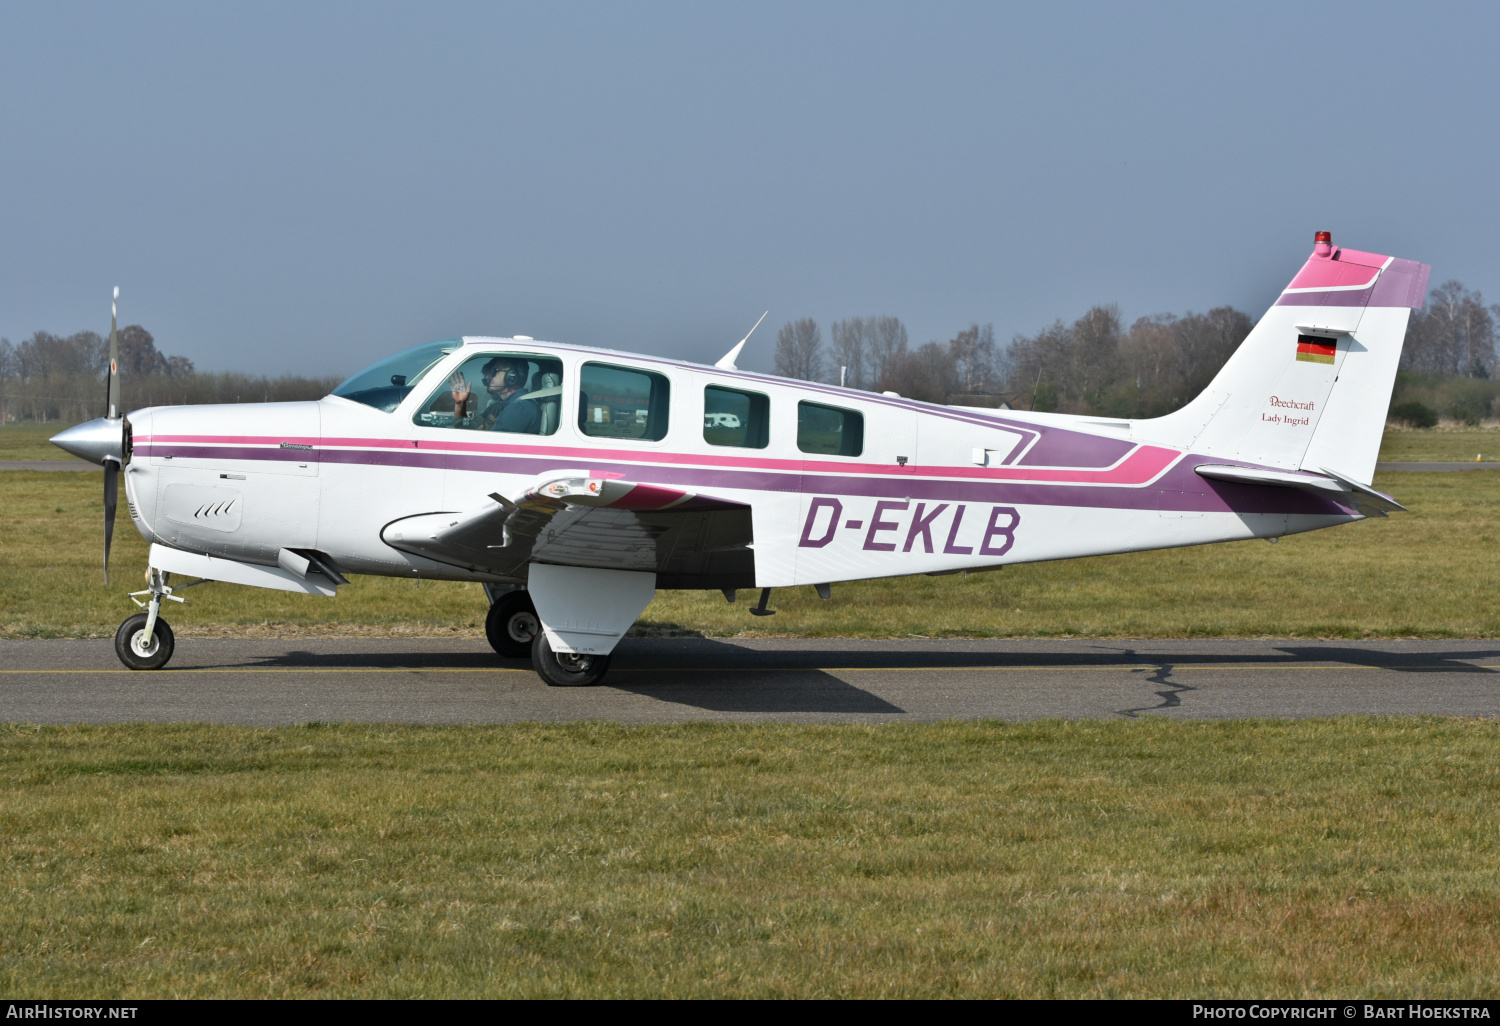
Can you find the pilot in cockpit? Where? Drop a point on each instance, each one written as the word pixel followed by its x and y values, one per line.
pixel 505 381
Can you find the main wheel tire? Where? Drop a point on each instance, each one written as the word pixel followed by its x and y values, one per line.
pixel 140 652
pixel 512 625
pixel 562 670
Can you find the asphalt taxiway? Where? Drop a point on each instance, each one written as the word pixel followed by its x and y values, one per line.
pixel 818 680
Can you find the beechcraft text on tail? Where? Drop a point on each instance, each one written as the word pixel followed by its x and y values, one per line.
pixel 573 482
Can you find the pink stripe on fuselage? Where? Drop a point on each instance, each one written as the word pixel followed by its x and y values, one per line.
pixel 1139 466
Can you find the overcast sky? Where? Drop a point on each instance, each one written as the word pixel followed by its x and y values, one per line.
pixel 306 187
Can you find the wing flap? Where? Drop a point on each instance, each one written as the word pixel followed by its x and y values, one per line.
pixel 573 519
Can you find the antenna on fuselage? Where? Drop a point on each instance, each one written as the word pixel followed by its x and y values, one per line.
pixel 726 362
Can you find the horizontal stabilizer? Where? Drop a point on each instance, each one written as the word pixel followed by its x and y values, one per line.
pixel 1330 485
pixel 1368 496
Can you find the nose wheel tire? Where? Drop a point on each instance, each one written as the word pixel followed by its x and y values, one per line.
pixel 140 652
pixel 512 625
pixel 564 670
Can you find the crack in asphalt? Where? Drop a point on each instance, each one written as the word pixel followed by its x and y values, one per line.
pixel 1169 698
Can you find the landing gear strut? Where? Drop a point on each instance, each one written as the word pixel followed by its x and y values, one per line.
pixel 144 641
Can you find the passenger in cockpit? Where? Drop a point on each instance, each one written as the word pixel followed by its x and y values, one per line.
pixel 505 381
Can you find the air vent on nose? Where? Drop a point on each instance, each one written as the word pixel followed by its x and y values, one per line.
pixel 205 507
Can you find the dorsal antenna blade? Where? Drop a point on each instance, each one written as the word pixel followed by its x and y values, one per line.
pixel 726 362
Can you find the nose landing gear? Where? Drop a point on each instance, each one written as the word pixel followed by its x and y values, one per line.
pixel 144 641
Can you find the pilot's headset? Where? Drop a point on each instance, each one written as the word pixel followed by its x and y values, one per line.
pixel 515 376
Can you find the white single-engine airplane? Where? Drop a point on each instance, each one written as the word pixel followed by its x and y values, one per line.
pixel 573 482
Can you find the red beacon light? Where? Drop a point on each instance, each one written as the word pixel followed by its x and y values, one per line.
pixel 1323 243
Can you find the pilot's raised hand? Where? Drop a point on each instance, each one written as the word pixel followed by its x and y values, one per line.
pixel 461 392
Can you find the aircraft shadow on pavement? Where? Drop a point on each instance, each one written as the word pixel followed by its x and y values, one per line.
pixel 719 676
pixel 774 691
pixel 299 659
pixel 1162 666
pixel 1445 661
pixel 718 657
pixel 774 688
pixel 718 679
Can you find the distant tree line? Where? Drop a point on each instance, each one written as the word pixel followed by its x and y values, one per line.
pixel 1096 365
pixel 61 378
pixel 1093 365
pixel 1449 367
pixel 875 354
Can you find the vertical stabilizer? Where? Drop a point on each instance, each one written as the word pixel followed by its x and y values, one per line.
pixel 1310 386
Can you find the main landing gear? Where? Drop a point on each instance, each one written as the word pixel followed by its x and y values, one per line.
pixel 515 632
pixel 512 625
pixel 565 669
pixel 144 641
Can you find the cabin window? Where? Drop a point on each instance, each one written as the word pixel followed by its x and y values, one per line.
pixel 622 402
pixel 385 384
pixel 830 431
pixel 732 417
pixel 509 392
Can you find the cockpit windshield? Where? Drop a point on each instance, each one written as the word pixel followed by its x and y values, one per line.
pixel 383 385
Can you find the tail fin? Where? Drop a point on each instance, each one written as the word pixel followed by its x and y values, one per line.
pixel 1310 386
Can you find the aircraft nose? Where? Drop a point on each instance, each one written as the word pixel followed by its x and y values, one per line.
pixel 94 441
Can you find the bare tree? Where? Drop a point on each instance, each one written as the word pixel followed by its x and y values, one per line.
pixel 1454 336
pixel 886 347
pixel 799 350
pixel 973 353
pixel 928 372
pixel 847 345
pixel 1165 360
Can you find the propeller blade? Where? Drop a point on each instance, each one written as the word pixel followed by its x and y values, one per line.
pixel 112 389
pixel 111 499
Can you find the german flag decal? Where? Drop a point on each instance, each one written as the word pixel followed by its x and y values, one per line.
pixel 1316 348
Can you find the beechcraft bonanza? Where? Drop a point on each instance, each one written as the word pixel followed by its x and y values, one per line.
pixel 573 482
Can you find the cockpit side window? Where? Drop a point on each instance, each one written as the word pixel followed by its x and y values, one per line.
pixel 385 384
pixel 513 392
pixel 622 402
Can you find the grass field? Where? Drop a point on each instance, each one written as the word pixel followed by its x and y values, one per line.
pixel 28 441
pixel 1460 444
pixel 1326 857
pixel 1427 573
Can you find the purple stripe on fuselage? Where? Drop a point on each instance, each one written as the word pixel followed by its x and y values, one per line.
pixel 1076 449
pixel 228 452
pixel 1179 489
